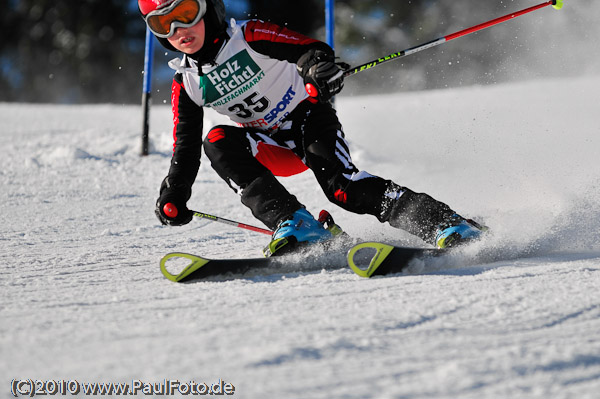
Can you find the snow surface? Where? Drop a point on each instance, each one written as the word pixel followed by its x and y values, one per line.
pixel 82 296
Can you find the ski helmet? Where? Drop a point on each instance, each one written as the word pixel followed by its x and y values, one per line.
pixel 214 15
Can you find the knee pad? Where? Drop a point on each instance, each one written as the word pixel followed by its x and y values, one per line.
pixel 215 134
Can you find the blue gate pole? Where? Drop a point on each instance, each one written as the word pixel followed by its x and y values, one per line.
pixel 330 22
pixel 147 90
pixel 330 27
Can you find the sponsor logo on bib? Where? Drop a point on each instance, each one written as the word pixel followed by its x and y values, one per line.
pixel 231 79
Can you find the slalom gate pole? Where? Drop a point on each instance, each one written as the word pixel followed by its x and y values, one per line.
pixel 330 22
pixel 147 90
pixel 557 4
pixel 171 211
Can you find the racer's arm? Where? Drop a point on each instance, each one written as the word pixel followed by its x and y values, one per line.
pixel 280 43
pixel 188 120
pixel 176 188
pixel 315 60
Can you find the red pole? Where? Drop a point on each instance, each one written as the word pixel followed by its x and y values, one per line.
pixel 496 21
pixel 171 211
pixel 231 222
pixel 556 3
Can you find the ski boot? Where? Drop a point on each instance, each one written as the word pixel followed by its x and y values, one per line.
pixel 457 231
pixel 300 229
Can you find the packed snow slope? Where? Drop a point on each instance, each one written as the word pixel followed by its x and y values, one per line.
pixel 82 297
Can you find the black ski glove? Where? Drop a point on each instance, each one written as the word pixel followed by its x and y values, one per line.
pixel 319 70
pixel 178 195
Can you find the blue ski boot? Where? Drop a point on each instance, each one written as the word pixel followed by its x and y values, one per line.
pixel 301 227
pixel 456 231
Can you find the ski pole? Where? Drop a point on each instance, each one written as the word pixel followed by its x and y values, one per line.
pixel 171 211
pixel 557 4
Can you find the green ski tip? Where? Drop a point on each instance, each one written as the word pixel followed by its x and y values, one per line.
pixel 558 4
pixel 381 252
pixel 195 263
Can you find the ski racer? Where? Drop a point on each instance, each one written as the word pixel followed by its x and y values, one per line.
pixel 256 73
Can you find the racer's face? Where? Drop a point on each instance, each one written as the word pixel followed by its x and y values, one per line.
pixel 189 40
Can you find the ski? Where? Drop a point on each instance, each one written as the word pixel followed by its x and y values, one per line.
pixel 199 268
pixel 369 259
pixel 196 267
pixel 366 259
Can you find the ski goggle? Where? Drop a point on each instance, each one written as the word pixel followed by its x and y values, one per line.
pixel 180 13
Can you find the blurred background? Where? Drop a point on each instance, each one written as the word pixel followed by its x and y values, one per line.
pixel 92 51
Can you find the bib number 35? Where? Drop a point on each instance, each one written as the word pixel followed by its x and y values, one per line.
pixel 250 105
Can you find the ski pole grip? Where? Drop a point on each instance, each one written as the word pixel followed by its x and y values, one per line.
pixel 170 210
pixel 311 90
